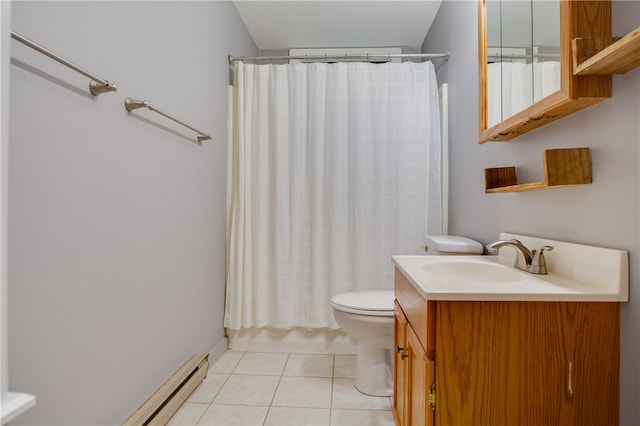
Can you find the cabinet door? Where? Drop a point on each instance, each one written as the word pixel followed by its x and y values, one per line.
pixel 400 363
pixel 528 363
pixel 421 377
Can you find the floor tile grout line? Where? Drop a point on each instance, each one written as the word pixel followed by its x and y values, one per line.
pixel 333 379
pixel 202 415
pixel 276 390
pixel 218 392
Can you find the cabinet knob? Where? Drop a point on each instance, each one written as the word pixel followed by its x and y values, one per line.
pixel 399 349
pixel 403 355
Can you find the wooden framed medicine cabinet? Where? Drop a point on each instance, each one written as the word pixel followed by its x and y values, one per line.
pixel 578 19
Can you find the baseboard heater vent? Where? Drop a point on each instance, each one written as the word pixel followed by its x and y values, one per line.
pixel 164 403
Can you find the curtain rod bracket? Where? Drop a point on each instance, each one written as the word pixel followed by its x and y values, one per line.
pixel 98 88
pixel 202 137
pixel 131 104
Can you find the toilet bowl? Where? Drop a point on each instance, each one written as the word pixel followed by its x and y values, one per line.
pixel 367 316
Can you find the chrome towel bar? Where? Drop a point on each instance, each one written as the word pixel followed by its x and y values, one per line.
pixel 97 85
pixel 131 104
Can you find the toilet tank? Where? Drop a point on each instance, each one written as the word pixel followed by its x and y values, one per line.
pixel 452 245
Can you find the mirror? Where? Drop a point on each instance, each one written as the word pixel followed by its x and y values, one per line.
pixel 523 55
pixel 526 62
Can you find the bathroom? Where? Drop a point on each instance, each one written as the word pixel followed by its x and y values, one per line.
pixel 115 237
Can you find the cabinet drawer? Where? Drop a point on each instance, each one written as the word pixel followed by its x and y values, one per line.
pixel 420 312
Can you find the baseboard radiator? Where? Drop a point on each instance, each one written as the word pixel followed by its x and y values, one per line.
pixel 164 403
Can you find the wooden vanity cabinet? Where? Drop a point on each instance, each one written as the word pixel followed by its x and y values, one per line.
pixel 417 374
pixel 400 367
pixel 505 362
pixel 414 368
pixel 421 377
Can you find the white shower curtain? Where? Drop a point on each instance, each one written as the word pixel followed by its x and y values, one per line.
pixel 333 169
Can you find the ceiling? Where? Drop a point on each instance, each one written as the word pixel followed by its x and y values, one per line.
pixel 313 23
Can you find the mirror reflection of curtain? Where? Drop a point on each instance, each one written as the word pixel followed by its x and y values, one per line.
pixel 331 169
pixel 514 86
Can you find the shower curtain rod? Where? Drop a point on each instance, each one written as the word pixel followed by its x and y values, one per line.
pixel 337 58
pixel 97 85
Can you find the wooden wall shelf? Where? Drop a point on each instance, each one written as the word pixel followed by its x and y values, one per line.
pixel 606 56
pixel 562 167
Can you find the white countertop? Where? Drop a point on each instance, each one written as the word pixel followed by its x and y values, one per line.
pixel 587 274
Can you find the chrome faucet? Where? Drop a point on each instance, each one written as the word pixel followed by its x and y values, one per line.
pixel 526 260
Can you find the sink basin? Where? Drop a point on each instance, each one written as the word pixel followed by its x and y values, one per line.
pixel 471 270
pixel 578 273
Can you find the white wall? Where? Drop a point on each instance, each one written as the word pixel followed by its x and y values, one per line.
pixel 116 221
pixel 5 39
pixel 604 213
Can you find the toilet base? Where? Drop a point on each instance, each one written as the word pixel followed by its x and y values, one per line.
pixel 374 372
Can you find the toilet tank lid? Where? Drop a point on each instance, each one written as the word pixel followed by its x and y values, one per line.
pixel 369 300
pixel 454 244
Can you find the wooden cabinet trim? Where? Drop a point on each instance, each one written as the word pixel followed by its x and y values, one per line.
pixel 419 311
pixel 399 400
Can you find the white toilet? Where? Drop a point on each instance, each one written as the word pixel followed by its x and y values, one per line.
pixel 367 316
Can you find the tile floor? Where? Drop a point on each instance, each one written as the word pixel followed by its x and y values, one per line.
pixel 260 388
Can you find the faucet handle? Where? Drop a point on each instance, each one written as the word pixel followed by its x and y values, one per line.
pixel 539 263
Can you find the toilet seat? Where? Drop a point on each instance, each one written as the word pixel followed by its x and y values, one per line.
pixel 371 302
